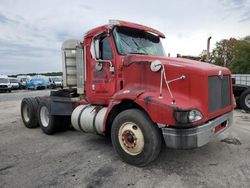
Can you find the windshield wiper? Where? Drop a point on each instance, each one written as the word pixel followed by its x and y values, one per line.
pixel 141 53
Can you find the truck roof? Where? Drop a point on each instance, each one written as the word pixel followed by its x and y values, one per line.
pixel 113 23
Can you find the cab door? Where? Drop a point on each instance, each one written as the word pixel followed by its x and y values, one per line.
pixel 102 69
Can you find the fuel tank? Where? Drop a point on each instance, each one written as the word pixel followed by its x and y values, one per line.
pixel 89 118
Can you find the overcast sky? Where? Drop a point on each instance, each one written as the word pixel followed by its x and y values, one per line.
pixel 31 32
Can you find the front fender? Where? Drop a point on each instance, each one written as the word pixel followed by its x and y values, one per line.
pixel 125 94
pixel 160 110
pixel 130 93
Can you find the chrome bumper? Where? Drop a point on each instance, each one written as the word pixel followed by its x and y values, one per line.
pixel 198 136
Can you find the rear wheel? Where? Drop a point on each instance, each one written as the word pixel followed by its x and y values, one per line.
pixel 49 123
pixel 39 100
pixel 28 112
pixel 245 100
pixel 46 121
pixel 136 139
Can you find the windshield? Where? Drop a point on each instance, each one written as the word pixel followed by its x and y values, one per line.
pixel 133 41
pixel 13 80
pixel 4 80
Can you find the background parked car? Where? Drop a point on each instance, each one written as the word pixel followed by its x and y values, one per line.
pixel 22 81
pixel 54 82
pixel 5 84
pixel 14 83
pixel 36 83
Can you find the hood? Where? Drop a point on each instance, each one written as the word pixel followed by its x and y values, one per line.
pixel 202 82
pixel 193 66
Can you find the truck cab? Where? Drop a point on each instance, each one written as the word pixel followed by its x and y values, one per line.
pixel 118 82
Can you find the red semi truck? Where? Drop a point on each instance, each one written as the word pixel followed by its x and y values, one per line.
pixel 119 83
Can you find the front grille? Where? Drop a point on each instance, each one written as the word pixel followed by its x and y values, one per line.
pixel 218 93
pixel 3 86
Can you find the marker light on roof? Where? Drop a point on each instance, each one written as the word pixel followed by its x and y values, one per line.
pixel 114 22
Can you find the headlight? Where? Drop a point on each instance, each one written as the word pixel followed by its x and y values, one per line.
pixel 186 117
pixel 194 115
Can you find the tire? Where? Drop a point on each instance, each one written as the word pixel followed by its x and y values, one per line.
pixel 46 121
pixel 28 112
pixel 237 100
pixel 245 100
pixel 38 99
pixel 136 139
pixel 51 124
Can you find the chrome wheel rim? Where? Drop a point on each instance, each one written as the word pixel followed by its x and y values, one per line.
pixel 131 138
pixel 44 116
pixel 26 112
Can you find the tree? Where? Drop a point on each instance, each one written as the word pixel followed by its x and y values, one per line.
pixel 223 53
pixel 241 62
pixel 234 54
pixel 203 56
pixel 247 39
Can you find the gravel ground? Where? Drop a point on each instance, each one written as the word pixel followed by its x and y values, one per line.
pixel 29 158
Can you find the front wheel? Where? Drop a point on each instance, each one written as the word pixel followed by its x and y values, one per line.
pixel 136 139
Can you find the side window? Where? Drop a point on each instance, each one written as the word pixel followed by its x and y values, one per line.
pixel 105 49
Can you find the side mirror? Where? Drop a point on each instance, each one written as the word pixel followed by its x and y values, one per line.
pixel 156 65
pixel 94 49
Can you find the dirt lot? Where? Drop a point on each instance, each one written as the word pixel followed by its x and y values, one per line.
pixel 29 158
